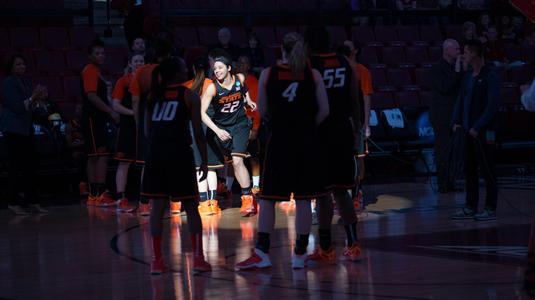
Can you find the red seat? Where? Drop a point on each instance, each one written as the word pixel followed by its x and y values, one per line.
pixel 399 77
pixel 4 39
pixel 76 60
pixel 509 94
pixel 363 34
pixel 81 36
pixel 54 84
pixel 430 33
pixel 426 97
pixel 239 36
pixel 283 30
pixel 54 37
pixel 382 100
pixel 24 37
pixel 72 88
pixel 378 76
pixel 416 55
pixel 386 33
pixel 50 62
pixel 191 53
pixel 454 32
pixel 266 35
pixel 368 55
pixel 186 36
pixel 337 34
pixel 208 35
pixel 423 77
pixel 407 99
pixel 435 53
pixel 520 75
pixel 393 55
pixel 408 33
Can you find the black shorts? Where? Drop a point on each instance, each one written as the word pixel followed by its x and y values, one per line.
pixel 223 151
pixel 290 166
pixel 170 173
pixel 126 140
pixel 210 153
pixel 337 143
pixel 95 127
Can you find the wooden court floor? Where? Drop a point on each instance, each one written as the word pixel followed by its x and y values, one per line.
pixel 412 250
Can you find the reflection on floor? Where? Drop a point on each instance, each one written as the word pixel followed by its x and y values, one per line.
pixel 412 251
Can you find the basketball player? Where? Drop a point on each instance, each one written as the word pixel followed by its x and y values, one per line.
pixel 127 136
pixel 228 128
pixel 208 204
pixel 337 135
pixel 95 115
pixel 170 168
pixel 294 97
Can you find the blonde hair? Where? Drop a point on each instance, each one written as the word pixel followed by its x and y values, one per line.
pixel 295 50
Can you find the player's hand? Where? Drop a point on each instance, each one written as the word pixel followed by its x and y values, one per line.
pixel 253 134
pixel 367 131
pixel 223 135
pixel 251 105
pixel 203 172
pixel 115 117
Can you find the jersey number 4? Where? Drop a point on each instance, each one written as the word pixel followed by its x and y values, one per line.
pixel 334 78
pixel 165 111
pixel 291 92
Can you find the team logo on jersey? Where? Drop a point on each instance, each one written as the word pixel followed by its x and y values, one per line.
pixel 238 84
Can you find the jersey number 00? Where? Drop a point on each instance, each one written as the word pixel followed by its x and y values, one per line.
pixel 164 111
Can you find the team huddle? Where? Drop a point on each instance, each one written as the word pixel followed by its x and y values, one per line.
pixel 185 131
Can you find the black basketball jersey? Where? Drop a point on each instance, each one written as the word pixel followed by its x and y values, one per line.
pixel 337 75
pixel 169 119
pixel 229 105
pixel 291 100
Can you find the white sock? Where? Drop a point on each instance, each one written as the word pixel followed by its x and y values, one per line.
pixel 230 182
pixel 256 181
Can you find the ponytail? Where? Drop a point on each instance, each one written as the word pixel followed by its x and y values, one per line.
pixel 295 51
pixel 200 65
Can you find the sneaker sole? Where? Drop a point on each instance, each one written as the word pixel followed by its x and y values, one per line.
pixel 175 212
pixel 485 219
pixel 462 218
pixel 254 268
pixel 127 211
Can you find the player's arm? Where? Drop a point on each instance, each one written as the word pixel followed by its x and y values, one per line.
pixel 262 95
pixel 321 97
pixel 194 103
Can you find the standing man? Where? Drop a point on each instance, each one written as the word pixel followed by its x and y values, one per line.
pixel 445 79
pixel 475 113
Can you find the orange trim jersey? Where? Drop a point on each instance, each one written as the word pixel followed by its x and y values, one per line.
pixel 189 84
pixel 142 80
pixel 252 84
pixel 365 79
pixel 121 87
pixel 90 78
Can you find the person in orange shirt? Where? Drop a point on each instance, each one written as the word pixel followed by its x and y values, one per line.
pixel 208 204
pixel 95 115
pixel 126 138
pixel 140 88
pixel 244 67
pixel 352 51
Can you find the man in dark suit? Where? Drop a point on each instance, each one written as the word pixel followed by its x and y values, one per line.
pixel 475 114
pixel 445 78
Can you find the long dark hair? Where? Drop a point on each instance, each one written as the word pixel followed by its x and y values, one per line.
pixel 163 75
pixel 10 61
pixel 201 67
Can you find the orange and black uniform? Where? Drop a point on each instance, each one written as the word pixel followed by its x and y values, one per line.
pixel 229 115
pixel 94 120
pixel 126 136
pixel 252 84
pixel 366 89
pixel 169 168
pixel 336 132
pixel 140 86
pixel 292 148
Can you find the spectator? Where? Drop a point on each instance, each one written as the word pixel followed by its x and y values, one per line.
pixel 224 37
pixel 528 96
pixel 134 20
pixel 445 78
pixel 474 114
pixel 255 53
pixel 468 33
pixel 138 45
pixel 483 25
pixel 76 142
pixel 494 48
pixel 20 99
pixel 507 29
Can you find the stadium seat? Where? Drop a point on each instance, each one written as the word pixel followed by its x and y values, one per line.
pixel 513 52
pixel 392 56
pixel 266 35
pixel 399 77
pixel 262 5
pixel 208 35
pixel 423 77
pixel 116 61
pixel 405 99
pixel 363 34
pixel 520 75
pixel 4 39
pixel 435 53
pixel 368 55
pixel 378 76
pixel 72 88
pixel 54 37
pixel 24 37
pixel 382 100
pixel 509 93
pixel 426 97
pixel 66 109
pixel 186 36
pixel 528 53
pixel 337 34
pixel 272 53
pixel 81 36
pixel 239 36
pixel 191 53
pixel 76 60
pixel 408 33
pixel 430 34
pixel 386 34
pixel 54 84
pixel 50 62
pixel 302 5
pixel 454 32
pixel 416 55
